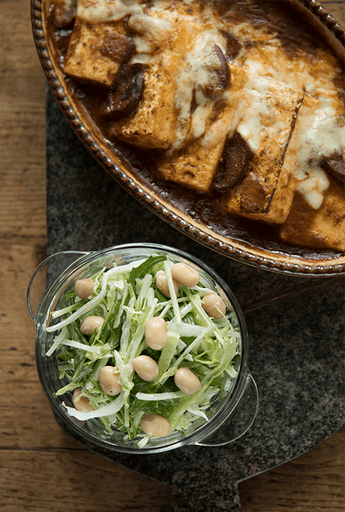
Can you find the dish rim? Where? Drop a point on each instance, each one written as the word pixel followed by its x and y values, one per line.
pixel 274 261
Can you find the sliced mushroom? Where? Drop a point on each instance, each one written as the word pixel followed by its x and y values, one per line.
pixel 127 92
pixel 117 47
pixel 335 165
pixel 223 73
pixel 233 45
pixel 234 163
pixel 219 73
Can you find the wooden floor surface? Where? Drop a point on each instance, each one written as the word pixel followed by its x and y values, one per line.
pixel 41 469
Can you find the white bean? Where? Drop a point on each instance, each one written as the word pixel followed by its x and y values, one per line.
pixel 146 368
pixel 83 404
pixel 213 305
pixel 155 425
pixel 90 323
pixel 184 274
pixel 156 335
pixel 187 381
pixel 162 284
pixel 109 380
pixel 84 288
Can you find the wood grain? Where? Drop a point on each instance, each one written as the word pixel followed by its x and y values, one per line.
pixel 74 480
pixel 41 468
pixel 312 482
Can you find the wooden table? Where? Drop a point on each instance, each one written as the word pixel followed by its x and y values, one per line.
pixel 41 468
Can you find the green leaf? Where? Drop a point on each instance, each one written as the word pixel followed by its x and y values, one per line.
pixel 147 267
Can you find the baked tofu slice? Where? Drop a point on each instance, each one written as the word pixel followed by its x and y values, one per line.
pixel 153 123
pixel 194 165
pixel 266 192
pixel 157 122
pixel 96 51
pixel 164 114
pixel 318 228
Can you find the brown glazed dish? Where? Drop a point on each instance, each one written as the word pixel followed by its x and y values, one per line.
pixel 231 213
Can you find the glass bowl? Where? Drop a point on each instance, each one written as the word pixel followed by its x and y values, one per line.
pixel 229 416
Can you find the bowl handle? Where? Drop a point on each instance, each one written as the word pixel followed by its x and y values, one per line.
pixel 240 420
pixel 34 291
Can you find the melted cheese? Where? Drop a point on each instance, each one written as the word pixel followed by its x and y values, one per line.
pixel 256 106
pixel 313 183
pixel 192 77
pixel 323 131
pixel 107 10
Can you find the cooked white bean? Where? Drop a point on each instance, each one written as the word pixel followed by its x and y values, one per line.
pixel 90 323
pixel 146 368
pixel 109 380
pixel 156 334
pixel 155 425
pixel 162 283
pixel 184 274
pixel 83 404
pixel 187 381
pixel 84 288
pixel 213 305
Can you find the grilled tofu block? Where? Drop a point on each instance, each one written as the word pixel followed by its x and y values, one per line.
pixel 96 51
pixel 266 192
pixel 318 228
pixel 164 114
pixel 153 123
pixel 317 216
pixel 194 166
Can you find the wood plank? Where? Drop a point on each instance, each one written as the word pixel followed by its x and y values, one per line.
pixel 75 480
pixel 22 127
pixel 26 418
pixel 313 481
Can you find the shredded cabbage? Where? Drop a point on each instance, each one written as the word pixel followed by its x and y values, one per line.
pixel 127 297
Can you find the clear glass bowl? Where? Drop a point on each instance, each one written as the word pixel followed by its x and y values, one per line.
pixel 230 416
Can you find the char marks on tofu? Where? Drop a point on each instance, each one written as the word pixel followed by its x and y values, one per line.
pixel 241 103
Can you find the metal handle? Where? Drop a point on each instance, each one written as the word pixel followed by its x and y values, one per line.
pixel 241 419
pixel 34 295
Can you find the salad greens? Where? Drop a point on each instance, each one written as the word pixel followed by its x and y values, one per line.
pixel 127 297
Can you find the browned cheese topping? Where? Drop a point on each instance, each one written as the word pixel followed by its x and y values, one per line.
pixel 234 99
